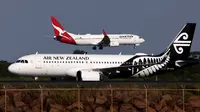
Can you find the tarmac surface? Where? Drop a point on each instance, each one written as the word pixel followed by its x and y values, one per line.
pixel 100 82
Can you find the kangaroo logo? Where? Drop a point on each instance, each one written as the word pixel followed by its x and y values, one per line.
pixel 179 44
pixel 61 32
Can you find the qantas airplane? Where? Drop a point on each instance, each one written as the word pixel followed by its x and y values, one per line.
pixel 93 67
pixel 95 40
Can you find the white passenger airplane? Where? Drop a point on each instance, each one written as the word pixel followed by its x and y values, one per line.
pixel 95 40
pixel 93 67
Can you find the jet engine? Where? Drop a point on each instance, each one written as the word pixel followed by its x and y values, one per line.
pixel 114 43
pixel 88 76
pixel 137 44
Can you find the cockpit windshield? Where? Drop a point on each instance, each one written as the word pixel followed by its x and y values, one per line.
pixel 22 61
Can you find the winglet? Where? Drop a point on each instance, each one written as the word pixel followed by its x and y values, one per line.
pixel 104 33
pixel 105 40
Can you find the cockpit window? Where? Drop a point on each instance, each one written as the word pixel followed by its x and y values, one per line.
pixel 17 61
pixel 22 61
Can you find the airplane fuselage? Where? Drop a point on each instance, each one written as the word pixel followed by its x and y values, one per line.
pixel 64 64
pixel 116 39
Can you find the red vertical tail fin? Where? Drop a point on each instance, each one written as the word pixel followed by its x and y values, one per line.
pixel 60 33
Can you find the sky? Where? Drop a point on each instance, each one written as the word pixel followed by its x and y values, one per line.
pixel 25 25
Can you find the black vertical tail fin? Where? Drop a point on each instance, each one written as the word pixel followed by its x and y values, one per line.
pixel 179 48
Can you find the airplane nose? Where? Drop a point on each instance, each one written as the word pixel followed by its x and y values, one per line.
pixel 142 40
pixel 13 69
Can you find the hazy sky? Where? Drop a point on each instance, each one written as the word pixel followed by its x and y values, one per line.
pixel 24 24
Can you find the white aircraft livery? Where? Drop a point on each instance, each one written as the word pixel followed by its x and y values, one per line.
pixel 95 40
pixel 93 67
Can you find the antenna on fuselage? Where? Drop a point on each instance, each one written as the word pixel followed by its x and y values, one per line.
pixel 120 53
pixel 36 53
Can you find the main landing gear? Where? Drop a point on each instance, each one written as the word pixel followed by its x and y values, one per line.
pixel 94 48
pixel 100 47
pixel 134 46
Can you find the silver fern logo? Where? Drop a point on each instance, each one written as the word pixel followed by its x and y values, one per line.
pixel 178 44
pixel 160 63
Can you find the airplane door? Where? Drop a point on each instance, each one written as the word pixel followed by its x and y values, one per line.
pixel 40 66
pixel 38 62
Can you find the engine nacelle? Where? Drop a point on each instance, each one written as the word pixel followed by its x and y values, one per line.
pixel 137 44
pixel 114 43
pixel 88 76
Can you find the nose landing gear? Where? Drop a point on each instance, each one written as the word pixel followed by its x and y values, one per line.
pixel 35 78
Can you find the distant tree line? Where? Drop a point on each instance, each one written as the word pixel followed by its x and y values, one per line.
pixel 191 73
pixel 4 69
pixel 79 52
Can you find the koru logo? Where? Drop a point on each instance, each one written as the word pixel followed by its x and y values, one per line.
pixel 179 44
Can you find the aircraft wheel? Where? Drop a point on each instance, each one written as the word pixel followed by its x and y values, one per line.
pixel 94 48
pixel 101 47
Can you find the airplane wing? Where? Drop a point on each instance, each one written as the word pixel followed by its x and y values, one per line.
pixel 105 41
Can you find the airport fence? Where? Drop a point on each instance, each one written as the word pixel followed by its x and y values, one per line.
pixel 111 99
